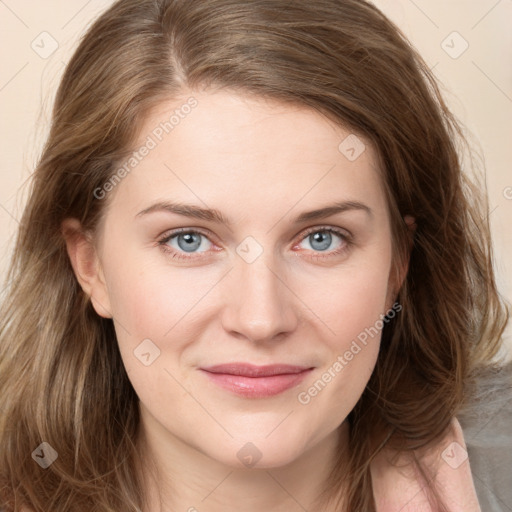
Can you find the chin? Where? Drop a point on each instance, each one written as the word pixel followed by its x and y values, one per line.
pixel 259 453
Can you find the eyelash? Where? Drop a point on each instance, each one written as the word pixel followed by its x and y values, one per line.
pixel 345 237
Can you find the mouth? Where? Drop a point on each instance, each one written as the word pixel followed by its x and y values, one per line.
pixel 252 381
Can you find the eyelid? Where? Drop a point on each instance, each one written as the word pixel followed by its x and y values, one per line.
pixel 167 235
pixel 340 231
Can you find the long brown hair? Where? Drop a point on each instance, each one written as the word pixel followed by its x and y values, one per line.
pixel 62 380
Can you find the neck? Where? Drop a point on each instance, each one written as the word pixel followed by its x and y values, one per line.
pixel 180 477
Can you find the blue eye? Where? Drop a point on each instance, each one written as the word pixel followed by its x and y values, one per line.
pixel 323 242
pixel 187 241
pixel 321 239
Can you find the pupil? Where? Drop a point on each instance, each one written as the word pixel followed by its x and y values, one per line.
pixel 321 240
pixel 192 241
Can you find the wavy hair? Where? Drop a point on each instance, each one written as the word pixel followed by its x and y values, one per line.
pixel 62 380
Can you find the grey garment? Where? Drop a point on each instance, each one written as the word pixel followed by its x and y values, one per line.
pixel 487 425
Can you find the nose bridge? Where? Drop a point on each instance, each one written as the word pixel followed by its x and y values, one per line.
pixel 259 305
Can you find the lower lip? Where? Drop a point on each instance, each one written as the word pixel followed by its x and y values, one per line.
pixel 257 387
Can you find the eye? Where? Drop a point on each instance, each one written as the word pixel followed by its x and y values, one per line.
pixel 326 240
pixel 187 243
pixel 181 242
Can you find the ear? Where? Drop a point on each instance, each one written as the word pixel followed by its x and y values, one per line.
pixel 86 265
pixel 410 221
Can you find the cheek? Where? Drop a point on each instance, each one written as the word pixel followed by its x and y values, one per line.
pixel 153 301
pixel 152 311
pixel 352 305
pixel 355 316
pixel 348 300
pixel 149 297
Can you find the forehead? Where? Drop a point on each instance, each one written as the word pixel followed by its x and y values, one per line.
pixel 230 150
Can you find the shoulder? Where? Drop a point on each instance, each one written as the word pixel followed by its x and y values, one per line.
pixel 399 485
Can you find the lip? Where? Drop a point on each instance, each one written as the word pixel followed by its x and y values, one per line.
pixel 253 381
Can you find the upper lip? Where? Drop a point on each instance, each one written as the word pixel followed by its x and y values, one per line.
pixel 250 370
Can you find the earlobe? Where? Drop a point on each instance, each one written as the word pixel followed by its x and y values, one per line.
pixel 411 224
pixel 86 265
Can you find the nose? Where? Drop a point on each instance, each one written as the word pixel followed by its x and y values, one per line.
pixel 259 305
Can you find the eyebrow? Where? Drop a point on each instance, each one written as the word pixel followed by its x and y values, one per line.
pixel 209 214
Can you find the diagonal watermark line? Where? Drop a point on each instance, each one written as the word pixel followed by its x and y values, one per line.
pixel 424 13
pixel 491 212
pixel 14 76
pixel 191 190
pixel 501 404
pixel 402 509
pixel 199 403
pixel 280 423
pixel 167 167
pixel 489 420
pixel 217 486
pixel 21 186
pixel 301 300
pixel 486 14
pixel 3 3
pixel 114 320
pixel 301 198
pixel 76 14
pixel 286 491
pixel 493 492
pixel 9 213
pixel 422 490
pixel 194 305
pixel 121 325
pixel 492 81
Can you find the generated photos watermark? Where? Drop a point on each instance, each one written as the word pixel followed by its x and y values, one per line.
pixel 152 140
pixel 305 397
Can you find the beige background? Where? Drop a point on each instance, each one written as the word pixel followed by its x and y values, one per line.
pixel 468 43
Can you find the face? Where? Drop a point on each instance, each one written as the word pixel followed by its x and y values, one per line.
pixel 245 259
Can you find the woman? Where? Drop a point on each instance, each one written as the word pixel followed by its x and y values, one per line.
pixel 250 275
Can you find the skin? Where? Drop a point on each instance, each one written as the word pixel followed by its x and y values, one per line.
pixel 261 164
